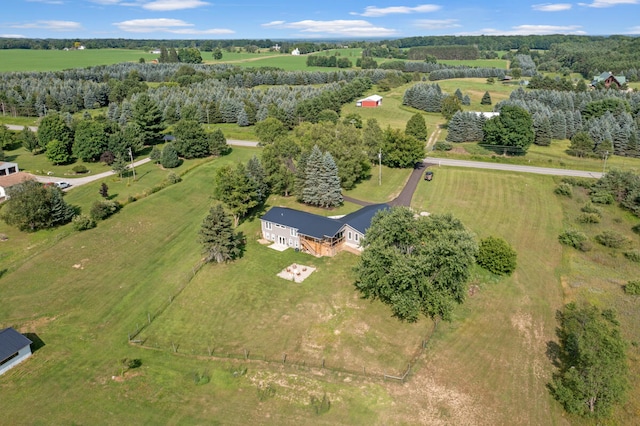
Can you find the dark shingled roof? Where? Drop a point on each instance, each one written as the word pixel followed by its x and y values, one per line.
pixel 11 342
pixel 319 227
pixel 306 223
pixel 360 220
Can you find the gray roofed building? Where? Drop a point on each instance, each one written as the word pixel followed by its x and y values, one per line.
pixel 14 348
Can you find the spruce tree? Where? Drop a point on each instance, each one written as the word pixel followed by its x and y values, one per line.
pixel 148 117
pixel 311 193
pixel 220 242
pixel 331 195
pixel 257 173
pixel 542 131
pixel 169 158
pixel 486 99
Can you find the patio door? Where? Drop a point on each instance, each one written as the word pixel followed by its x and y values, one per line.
pixel 282 240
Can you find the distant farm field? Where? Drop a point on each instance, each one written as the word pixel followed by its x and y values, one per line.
pixel 56 60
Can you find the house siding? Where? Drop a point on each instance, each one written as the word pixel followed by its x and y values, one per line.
pixel 279 233
pixel 23 354
pixel 352 236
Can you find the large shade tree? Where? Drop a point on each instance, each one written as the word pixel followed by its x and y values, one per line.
pixel 512 129
pixel 593 372
pixel 417 266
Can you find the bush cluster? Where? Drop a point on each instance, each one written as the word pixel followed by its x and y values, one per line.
pixel 83 222
pixel 602 197
pixel 588 218
pixel 612 239
pixel 575 239
pixel 632 287
pixel 633 255
pixel 564 189
pixel 102 209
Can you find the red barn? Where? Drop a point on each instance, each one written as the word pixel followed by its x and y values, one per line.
pixel 370 102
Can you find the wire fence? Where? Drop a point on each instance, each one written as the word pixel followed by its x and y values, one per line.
pixel 286 360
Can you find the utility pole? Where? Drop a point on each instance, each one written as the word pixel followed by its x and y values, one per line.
pixel 132 167
pixel 604 166
pixel 379 166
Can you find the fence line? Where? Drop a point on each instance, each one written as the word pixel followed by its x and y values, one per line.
pixel 249 357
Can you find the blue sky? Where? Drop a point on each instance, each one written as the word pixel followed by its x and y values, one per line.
pixel 209 19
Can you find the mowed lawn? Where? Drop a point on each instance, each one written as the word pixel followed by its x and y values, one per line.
pixel 491 359
pixel 84 293
pixel 56 60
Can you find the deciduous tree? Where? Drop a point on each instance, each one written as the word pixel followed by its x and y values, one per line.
pixel 593 372
pixel 417 266
pixel 417 127
pixel 236 190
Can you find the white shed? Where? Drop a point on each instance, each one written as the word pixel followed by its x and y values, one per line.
pixel 14 348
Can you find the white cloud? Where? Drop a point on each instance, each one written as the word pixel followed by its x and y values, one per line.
pixel 165 25
pixel 551 7
pixel 375 12
pixel 608 3
pixel 437 24
pixel 531 30
pixel 12 36
pixel 47 1
pixel 346 28
pixel 634 30
pixel 164 5
pixel 51 25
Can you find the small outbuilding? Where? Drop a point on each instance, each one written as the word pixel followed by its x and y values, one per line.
pixel 372 101
pixel 14 348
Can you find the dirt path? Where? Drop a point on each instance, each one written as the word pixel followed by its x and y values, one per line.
pixel 433 139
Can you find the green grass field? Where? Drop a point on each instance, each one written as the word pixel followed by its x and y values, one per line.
pixel 56 60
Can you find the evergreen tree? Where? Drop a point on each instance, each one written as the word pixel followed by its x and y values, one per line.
pixel 173 56
pixel 311 192
pixel 61 212
pixel 164 55
pixel 331 192
pixel 486 99
pixel 29 140
pixel 155 155
pixel 417 127
pixel 581 145
pixel 191 140
pixel 257 173
pixel 119 165
pixel 104 190
pixel 148 117
pixel 169 158
pixel 218 143
pixel 220 242
pixel 542 131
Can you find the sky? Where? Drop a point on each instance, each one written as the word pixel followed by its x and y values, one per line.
pixel 328 19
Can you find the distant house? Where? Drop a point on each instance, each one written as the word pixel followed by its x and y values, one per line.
pixel 372 101
pixel 486 115
pixel 607 78
pixel 155 52
pixel 81 47
pixel 295 52
pixel 14 348
pixel 8 181
pixel 318 235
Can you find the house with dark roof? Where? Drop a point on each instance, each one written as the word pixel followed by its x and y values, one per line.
pixel 607 78
pixel 14 348
pixel 7 181
pixel 318 235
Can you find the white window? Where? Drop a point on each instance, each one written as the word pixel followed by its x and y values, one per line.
pixel 267 236
pixel 290 242
pixel 267 225
pixel 293 232
pixel 349 236
pixel 296 243
pixel 357 236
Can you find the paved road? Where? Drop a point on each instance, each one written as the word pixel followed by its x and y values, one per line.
pixel 86 179
pixel 512 168
pixel 19 128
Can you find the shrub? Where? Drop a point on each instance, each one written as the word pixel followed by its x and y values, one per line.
pixel 636 228
pixel 564 189
pixel 632 287
pixel 589 218
pixel 83 222
pixel 590 208
pixel 612 239
pixel 103 209
pixel 633 255
pixel 575 239
pixel 80 169
pixel 578 181
pixel 442 146
pixel 173 178
pixel 497 256
pixel 320 406
pixel 602 197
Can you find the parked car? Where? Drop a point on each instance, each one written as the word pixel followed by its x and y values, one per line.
pixel 428 175
pixel 63 185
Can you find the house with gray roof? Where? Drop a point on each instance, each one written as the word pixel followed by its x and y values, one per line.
pixel 607 78
pixel 315 234
pixel 14 348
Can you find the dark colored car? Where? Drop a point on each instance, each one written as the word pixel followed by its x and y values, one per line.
pixel 428 175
